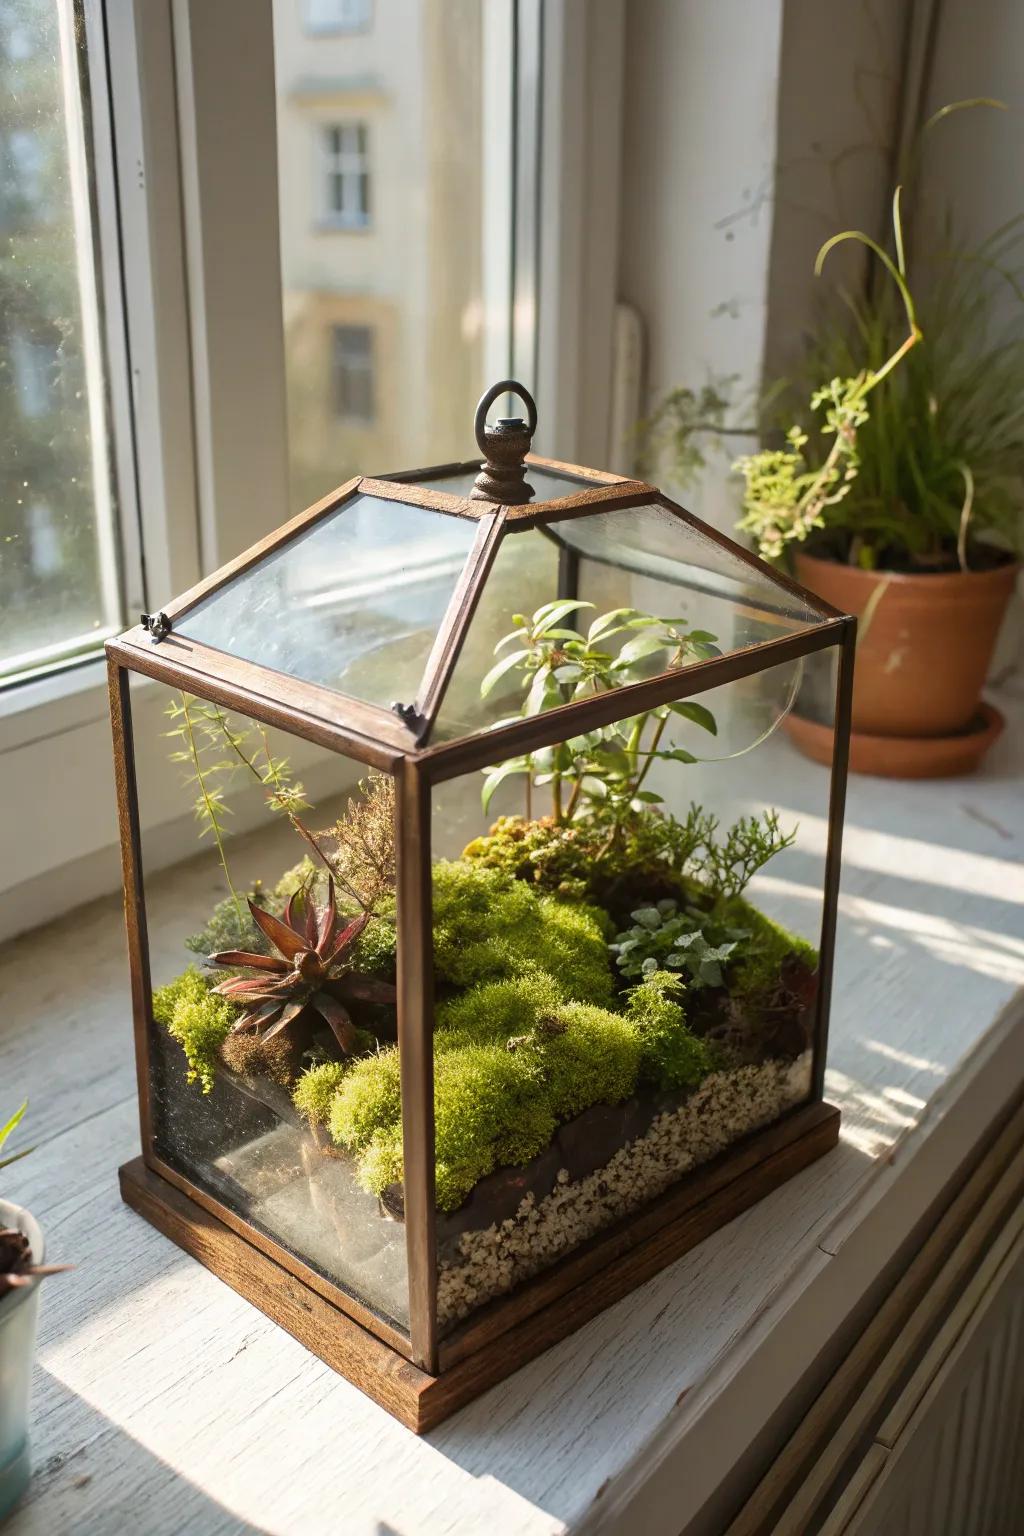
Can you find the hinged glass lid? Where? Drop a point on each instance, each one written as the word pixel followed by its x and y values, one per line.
pixel 399 595
pixel 352 603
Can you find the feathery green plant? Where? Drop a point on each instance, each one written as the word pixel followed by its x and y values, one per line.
pixel 599 773
pixel 786 496
pixel 212 751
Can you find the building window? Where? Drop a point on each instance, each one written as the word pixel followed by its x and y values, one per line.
pixel 337 15
pixel 346 175
pixel 352 390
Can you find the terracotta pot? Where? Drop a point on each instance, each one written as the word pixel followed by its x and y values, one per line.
pixel 904 757
pixel 925 646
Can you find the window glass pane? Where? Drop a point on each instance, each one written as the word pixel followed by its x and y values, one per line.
pixel 380 158
pixel 59 580
pixel 354 603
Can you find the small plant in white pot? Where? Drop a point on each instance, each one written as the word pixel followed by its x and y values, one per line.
pixel 21 1268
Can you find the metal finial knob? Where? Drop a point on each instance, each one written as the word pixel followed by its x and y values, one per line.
pixel 502 476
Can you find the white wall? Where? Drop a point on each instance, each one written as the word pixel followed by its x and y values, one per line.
pixel 974 160
pixel 699 131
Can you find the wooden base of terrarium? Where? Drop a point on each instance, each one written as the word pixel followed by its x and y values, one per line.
pixel 542 1311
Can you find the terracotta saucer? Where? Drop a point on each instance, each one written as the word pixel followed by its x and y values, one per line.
pixel 904 757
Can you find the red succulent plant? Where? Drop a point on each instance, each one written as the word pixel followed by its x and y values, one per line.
pixel 310 971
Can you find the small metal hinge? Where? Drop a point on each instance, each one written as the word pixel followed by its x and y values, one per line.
pixel 158 624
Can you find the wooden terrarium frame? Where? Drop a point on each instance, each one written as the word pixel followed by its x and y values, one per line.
pixel 424 1374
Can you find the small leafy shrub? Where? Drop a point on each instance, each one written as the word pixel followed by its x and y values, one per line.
pixel 361 846
pixel 672 1057
pixel 601 773
pixel 727 868
pixel 667 937
pixel 230 926
pixel 197 1019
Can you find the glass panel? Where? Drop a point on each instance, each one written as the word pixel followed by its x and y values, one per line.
pixel 59 584
pixel 626 970
pixel 354 603
pixel 383 235
pixel 640 558
pixel 546 486
pixel 525 570
pixel 245 1113
pixel 653 542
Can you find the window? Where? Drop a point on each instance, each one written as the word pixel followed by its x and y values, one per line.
pixel 337 15
pixel 404 104
pixel 60 565
pixel 346 185
pixel 352 372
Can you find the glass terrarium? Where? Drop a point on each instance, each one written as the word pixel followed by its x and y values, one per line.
pixel 508 946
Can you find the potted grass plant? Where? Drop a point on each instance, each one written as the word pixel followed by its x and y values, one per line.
pixel 21 1268
pixel 897 490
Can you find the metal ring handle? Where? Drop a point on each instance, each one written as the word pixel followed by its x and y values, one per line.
pixel 506 387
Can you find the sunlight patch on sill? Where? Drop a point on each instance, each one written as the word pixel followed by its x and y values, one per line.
pixel 931 863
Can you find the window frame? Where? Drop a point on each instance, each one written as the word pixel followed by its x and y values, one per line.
pixel 190 260
pixel 92 178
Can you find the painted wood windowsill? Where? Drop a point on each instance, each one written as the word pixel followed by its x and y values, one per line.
pixel 158 1389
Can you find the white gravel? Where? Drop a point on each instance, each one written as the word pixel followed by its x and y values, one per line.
pixel 726 1106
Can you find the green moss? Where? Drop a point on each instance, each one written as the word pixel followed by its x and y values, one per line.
pixel 368 1100
pixel 490 1110
pixel 759 963
pixel 376 948
pixel 381 1164
pixel 671 1056
pixel 225 931
pixel 579 861
pixel 197 1019
pixel 302 876
pixel 487 927
pixel 586 1056
pixel 314 1092
pixel 496 1011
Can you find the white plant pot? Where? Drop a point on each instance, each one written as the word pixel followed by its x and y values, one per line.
pixel 18 1312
